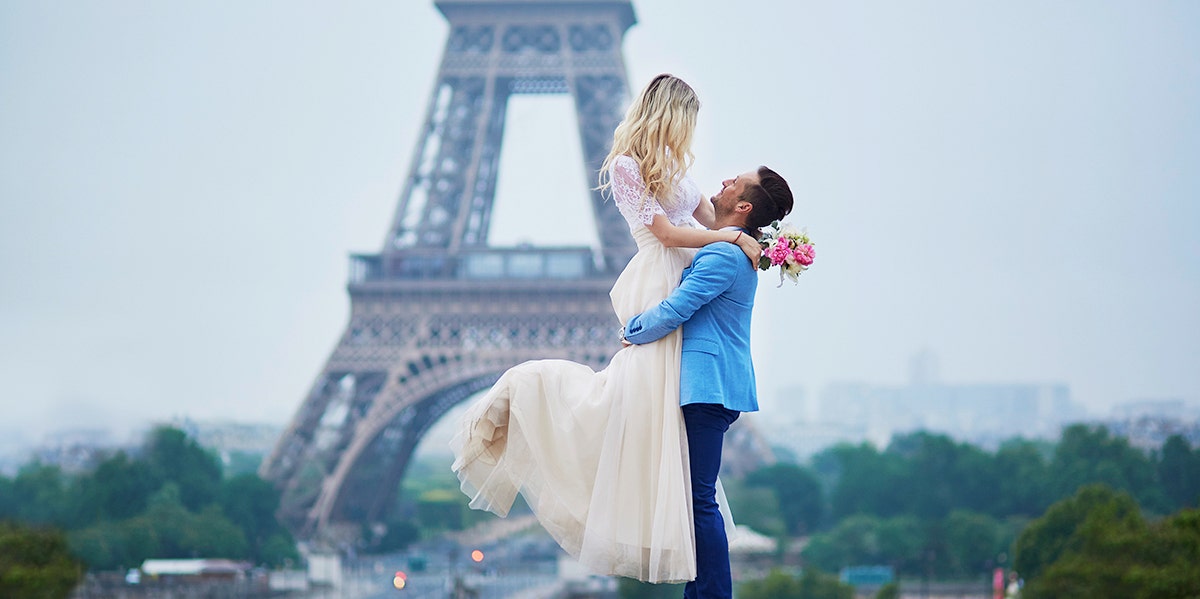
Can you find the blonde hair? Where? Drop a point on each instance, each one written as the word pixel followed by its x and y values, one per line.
pixel 657 134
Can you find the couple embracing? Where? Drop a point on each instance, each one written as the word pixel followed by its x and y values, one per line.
pixel 620 466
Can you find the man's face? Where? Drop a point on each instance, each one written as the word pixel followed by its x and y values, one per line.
pixel 731 190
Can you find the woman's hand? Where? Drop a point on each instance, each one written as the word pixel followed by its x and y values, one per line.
pixel 750 246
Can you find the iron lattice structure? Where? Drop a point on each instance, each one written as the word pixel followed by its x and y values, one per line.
pixel 438 314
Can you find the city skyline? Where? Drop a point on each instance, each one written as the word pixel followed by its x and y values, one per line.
pixel 1009 186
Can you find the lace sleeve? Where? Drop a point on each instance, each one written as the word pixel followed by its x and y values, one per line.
pixel 628 190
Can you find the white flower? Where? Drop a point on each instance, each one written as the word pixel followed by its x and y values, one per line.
pixel 789 231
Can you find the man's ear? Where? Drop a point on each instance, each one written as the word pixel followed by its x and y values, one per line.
pixel 743 207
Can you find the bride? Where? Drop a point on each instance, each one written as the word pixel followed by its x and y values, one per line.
pixel 601 457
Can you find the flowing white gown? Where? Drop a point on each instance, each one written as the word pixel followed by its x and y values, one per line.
pixel 601 457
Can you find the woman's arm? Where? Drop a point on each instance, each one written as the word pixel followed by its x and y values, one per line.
pixel 705 214
pixel 629 191
pixel 687 237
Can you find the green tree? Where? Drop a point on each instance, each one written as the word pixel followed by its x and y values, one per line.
pixel 183 534
pixel 1179 472
pixel 797 492
pixel 279 551
pixel 973 540
pixel 1020 480
pixel 1118 561
pixel 211 534
pixel 1089 454
pixel 440 510
pixel 399 535
pixel 36 563
pixel 242 462
pixel 756 508
pixel 165 530
pixel 812 584
pixel 900 543
pixel 250 503
pixel 8 503
pixel 940 475
pixel 777 585
pixel 861 540
pixel 117 489
pixel 845 545
pixel 174 457
pixel 40 495
pixel 170 521
pixel 815 584
pixel 1167 567
pixel 107 546
pixel 861 480
pixel 1096 544
pixel 169 501
pixel 1079 547
pixel 890 590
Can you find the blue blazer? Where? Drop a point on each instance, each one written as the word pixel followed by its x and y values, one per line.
pixel 713 303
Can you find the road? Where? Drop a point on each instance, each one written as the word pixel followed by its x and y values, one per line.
pixel 522 567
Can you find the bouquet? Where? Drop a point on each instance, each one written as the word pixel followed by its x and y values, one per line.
pixel 786 247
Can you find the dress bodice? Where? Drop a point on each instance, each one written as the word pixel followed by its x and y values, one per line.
pixel 638 208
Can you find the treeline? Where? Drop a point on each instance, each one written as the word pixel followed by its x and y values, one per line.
pixel 36 563
pixel 930 506
pixel 168 500
pixel 1097 544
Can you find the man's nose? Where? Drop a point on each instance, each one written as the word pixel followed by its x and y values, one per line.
pixel 727 183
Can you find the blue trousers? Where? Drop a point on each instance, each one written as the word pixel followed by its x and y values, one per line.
pixel 706 425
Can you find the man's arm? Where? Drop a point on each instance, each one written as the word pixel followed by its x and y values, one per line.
pixel 712 273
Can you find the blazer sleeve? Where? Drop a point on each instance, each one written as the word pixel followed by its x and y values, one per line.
pixel 711 274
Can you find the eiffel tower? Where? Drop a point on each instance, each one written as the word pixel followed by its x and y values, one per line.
pixel 438 314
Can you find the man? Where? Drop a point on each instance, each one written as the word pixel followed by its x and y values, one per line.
pixel 713 304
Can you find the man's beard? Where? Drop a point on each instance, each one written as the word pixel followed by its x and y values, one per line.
pixel 720 209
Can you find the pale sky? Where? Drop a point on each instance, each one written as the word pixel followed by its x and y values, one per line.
pixel 1013 185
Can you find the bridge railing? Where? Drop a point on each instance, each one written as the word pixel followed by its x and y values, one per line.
pixel 518 263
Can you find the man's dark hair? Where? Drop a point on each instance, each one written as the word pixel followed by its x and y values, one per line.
pixel 771 199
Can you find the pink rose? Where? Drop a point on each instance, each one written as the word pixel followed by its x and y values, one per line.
pixel 804 254
pixel 779 252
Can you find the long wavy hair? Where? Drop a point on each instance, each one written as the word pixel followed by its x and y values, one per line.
pixel 657 134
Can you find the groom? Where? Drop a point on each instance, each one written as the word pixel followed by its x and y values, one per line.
pixel 713 303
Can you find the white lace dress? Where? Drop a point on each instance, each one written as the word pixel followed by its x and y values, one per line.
pixel 601 457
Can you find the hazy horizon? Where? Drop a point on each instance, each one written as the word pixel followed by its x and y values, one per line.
pixel 1012 186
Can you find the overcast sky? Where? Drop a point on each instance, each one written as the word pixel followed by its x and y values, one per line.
pixel 1013 185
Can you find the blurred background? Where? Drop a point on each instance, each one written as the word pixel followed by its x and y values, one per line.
pixel 1003 197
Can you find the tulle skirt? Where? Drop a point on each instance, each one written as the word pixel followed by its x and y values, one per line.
pixel 600 457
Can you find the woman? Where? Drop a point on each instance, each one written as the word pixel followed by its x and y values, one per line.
pixel 601 457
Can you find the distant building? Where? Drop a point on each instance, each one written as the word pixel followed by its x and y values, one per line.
pixel 1149 432
pixel 76 450
pixel 975 412
pixel 79 450
pixel 981 413
pixel 1148 423
pixel 200 569
pixel 228 436
pixel 1168 408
